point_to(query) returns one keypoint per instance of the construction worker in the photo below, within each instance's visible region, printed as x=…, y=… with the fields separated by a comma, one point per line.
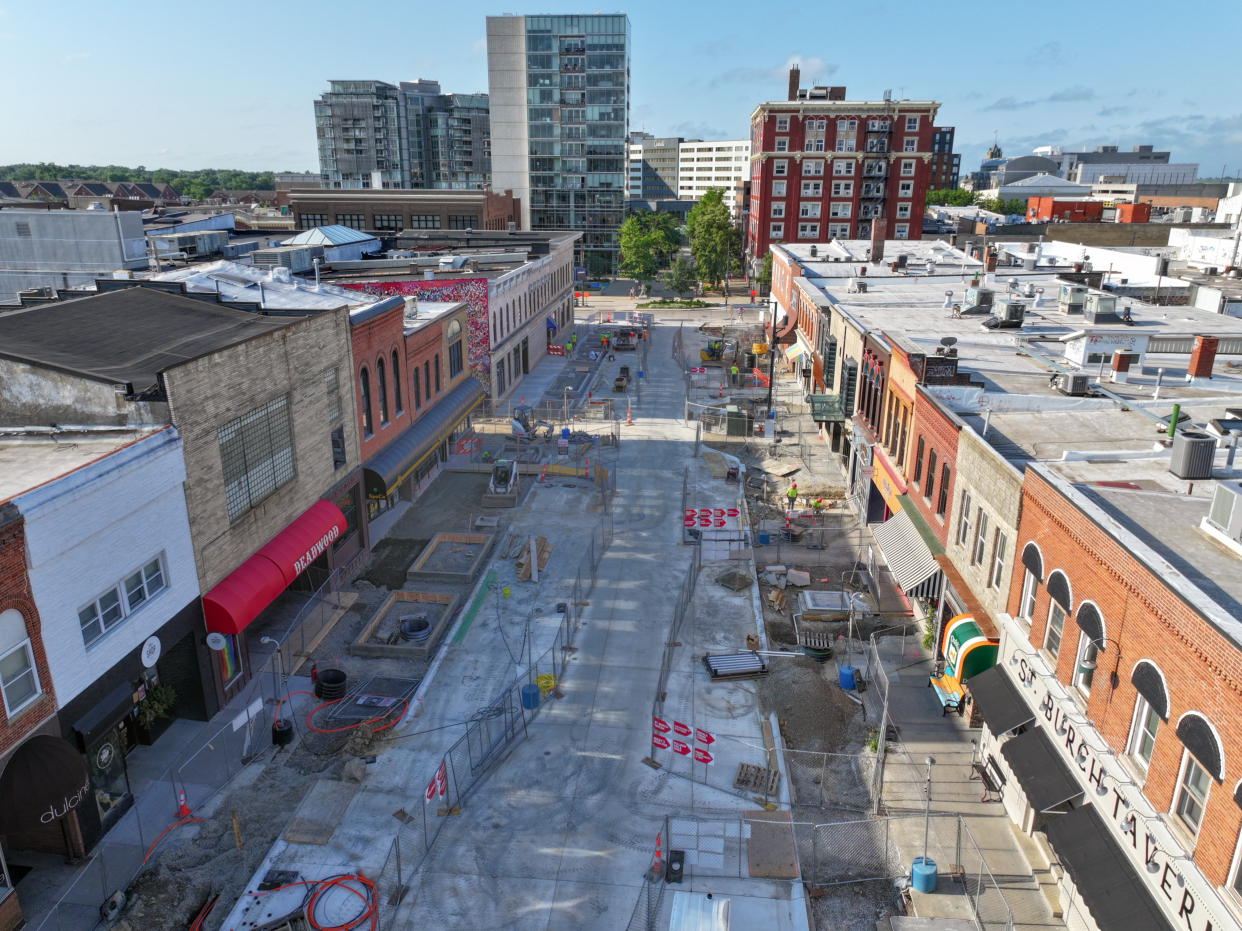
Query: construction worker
x=604, y=337
x=792, y=495
x=733, y=374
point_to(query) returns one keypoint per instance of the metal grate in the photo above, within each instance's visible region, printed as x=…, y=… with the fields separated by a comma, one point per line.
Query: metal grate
x=376, y=697
x=256, y=453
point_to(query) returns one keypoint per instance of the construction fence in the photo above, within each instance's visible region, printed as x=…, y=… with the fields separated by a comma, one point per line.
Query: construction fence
x=198, y=775
x=738, y=846
x=490, y=735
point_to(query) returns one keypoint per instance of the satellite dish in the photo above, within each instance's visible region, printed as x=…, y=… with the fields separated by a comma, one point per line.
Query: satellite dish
x=948, y=340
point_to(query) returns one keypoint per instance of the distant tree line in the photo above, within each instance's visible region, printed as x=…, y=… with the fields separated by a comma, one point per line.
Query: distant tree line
x=196, y=184
x=959, y=198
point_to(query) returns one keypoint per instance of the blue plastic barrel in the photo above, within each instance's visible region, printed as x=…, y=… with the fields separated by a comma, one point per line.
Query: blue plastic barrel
x=530, y=697
x=923, y=874
x=564, y=433
x=765, y=539
x=846, y=677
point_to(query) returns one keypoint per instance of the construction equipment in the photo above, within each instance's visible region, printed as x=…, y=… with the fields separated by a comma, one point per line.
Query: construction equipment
x=504, y=478
x=622, y=381
x=524, y=423
x=713, y=352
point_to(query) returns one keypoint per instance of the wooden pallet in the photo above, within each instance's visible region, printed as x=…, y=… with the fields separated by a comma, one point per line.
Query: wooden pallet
x=757, y=779
x=816, y=641
x=523, y=563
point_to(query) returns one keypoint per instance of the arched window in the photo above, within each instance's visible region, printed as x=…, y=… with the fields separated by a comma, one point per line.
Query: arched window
x=427, y=380
x=931, y=475
x=381, y=387
x=453, y=338
x=396, y=383
x=364, y=389
x=437, y=373
x=19, y=681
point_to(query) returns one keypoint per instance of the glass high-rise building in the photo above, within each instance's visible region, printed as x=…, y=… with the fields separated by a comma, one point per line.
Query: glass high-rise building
x=559, y=89
x=377, y=135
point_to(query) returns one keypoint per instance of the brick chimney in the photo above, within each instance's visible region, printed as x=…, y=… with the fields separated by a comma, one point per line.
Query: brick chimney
x=795, y=82
x=879, y=229
x=1203, y=356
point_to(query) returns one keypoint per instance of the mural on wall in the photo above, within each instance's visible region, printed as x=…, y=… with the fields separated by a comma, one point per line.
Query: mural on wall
x=471, y=290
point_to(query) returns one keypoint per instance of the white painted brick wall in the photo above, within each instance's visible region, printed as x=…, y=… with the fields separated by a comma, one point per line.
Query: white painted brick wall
x=90, y=529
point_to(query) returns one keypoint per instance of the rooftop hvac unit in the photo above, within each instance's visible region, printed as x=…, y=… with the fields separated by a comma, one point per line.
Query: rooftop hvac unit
x=1100, y=308
x=1072, y=383
x=980, y=297
x=1193, y=454
x=1072, y=294
x=1007, y=315
x=1226, y=512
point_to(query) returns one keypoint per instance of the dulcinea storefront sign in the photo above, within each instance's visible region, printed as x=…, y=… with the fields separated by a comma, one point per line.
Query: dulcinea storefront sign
x=317, y=549
x=1189, y=900
x=68, y=803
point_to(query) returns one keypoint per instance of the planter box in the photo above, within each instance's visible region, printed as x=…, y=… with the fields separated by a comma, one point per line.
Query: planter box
x=148, y=736
x=436, y=564
x=363, y=647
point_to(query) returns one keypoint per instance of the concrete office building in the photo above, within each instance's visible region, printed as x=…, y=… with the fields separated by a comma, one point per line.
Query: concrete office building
x=66, y=248
x=411, y=135
x=721, y=163
x=946, y=165
x=559, y=89
x=666, y=168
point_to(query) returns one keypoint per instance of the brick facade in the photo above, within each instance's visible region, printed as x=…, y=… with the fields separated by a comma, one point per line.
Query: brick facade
x=206, y=393
x=789, y=149
x=15, y=594
x=1202, y=669
x=938, y=431
x=995, y=487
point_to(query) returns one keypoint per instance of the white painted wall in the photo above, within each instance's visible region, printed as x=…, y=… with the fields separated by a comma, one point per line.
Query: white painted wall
x=506, y=87
x=1206, y=247
x=90, y=529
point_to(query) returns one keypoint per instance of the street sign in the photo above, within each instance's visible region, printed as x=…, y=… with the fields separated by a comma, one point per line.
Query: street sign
x=659, y=724
x=703, y=736
x=702, y=756
x=718, y=512
x=719, y=522
x=705, y=521
x=679, y=747
x=659, y=741
x=732, y=512
x=689, y=522
x=681, y=729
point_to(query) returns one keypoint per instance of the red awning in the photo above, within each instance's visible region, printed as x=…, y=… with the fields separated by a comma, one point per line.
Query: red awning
x=256, y=583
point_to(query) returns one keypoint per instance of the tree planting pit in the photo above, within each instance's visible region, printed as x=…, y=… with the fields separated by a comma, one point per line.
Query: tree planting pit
x=452, y=557
x=373, y=641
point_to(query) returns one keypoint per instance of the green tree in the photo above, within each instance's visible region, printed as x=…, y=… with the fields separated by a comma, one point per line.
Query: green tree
x=1006, y=207
x=648, y=241
x=713, y=238
x=680, y=277
x=954, y=197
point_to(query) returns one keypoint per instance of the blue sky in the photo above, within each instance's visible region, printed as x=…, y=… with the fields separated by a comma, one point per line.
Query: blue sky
x=231, y=85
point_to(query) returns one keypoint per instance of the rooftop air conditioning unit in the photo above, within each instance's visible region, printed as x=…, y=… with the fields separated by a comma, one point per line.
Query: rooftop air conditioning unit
x=1225, y=514
x=1193, y=454
x=1007, y=315
x=980, y=297
x=1072, y=383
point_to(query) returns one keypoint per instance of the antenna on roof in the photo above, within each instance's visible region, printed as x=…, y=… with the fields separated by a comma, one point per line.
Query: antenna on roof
x=948, y=340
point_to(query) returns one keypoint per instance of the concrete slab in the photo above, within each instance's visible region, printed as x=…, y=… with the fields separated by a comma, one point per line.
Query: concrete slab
x=320, y=812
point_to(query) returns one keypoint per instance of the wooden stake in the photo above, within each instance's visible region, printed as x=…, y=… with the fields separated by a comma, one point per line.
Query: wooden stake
x=236, y=831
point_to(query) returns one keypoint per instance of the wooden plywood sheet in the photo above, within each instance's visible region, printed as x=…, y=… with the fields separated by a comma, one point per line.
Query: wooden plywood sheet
x=715, y=463
x=320, y=812
x=770, y=845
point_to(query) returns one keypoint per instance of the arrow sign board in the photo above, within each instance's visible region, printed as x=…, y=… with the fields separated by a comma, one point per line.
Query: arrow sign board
x=659, y=724
x=689, y=522
x=732, y=512
x=703, y=736
x=702, y=756
x=659, y=741
x=679, y=747
x=691, y=512
x=720, y=522
x=718, y=512
x=705, y=512
x=679, y=728
x=705, y=521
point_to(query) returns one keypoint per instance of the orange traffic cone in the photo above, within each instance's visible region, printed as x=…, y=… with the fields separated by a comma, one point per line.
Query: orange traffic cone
x=629, y=421
x=542, y=474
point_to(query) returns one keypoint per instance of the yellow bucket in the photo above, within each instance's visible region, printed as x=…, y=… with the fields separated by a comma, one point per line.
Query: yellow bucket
x=759, y=348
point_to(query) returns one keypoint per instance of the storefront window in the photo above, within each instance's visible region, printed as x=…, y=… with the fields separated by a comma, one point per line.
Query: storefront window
x=1056, y=621
x=1143, y=743
x=1192, y=794
x=106, y=762
x=348, y=505
x=230, y=662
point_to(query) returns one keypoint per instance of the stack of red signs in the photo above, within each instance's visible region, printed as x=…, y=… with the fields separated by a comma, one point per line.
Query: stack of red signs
x=660, y=727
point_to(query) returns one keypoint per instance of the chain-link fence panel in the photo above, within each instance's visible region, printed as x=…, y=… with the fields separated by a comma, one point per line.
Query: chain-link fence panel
x=831, y=780
x=712, y=846
x=649, y=908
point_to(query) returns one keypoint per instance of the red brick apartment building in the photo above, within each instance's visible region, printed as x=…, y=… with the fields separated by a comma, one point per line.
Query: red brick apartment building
x=825, y=168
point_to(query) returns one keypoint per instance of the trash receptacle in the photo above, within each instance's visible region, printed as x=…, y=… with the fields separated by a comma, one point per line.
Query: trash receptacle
x=530, y=697
x=846, y=677
x=923, y=874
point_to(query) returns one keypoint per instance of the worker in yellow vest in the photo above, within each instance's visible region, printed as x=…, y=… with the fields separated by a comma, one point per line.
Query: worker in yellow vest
x=792, y=495
x=733, y=374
